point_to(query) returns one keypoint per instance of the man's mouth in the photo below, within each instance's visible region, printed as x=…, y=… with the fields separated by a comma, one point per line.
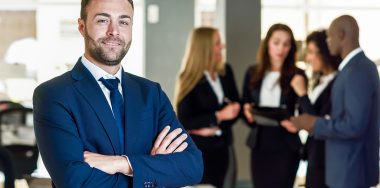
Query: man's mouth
x=112, y=43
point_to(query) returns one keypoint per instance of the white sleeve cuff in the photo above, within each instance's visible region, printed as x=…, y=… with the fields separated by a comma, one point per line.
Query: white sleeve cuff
x=129, y=163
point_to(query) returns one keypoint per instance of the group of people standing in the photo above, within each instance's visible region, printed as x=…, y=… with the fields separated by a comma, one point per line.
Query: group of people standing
x=207, y=104
x=99, y=126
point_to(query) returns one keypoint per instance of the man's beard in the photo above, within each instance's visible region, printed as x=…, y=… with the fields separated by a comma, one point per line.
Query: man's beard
x=111, y=57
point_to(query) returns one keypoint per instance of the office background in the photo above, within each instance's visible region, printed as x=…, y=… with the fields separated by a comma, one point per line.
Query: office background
x=39, y=39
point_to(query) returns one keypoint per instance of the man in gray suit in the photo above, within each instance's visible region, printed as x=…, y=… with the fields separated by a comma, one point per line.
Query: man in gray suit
x=352, y=131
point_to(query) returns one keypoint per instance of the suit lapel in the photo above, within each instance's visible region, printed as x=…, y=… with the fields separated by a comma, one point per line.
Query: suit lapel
x=89, y=88
x=208, y=89
x=132, y=106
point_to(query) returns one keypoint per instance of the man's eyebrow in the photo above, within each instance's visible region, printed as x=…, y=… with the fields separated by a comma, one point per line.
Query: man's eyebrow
x=102, y=14
x=108, y=15
x=125, y=16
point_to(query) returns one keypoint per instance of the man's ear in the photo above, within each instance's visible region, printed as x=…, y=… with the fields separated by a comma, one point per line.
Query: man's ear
x=341, y=34
x=81, y=26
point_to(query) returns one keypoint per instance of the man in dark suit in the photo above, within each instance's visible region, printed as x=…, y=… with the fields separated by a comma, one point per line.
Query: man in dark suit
x=94, y=132
x=351, y=133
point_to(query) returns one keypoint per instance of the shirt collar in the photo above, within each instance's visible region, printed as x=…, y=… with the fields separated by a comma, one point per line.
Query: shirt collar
x=328, y=78
x=97, y=72
x=349, y=57
x=207, y=74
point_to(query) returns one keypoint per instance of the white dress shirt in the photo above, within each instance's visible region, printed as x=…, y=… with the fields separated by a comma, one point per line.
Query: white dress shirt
x=323, y=83
x=349, y=57
x=216, y=86
x=100, y=73
x=270, y=93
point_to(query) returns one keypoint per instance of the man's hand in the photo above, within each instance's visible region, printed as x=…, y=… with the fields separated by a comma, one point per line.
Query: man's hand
x=205, y=132
x=304, y=121
x=108, y=163
x=168, y=143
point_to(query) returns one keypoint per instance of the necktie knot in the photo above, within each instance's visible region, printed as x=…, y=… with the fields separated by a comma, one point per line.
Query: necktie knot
x=110, y=84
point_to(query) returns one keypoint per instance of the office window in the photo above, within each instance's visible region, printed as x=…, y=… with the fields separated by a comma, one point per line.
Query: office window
x=305, y=16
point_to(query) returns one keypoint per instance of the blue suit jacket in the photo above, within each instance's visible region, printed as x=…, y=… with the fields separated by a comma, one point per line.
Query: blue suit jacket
x=72, y=115
x=352, y=134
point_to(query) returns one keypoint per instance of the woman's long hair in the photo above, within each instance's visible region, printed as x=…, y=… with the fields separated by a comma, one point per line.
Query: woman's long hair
x=288, y=68
x=329, y=62
x=198, y=58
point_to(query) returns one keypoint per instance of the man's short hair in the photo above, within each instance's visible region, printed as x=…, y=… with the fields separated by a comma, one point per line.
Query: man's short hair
x=84, y=4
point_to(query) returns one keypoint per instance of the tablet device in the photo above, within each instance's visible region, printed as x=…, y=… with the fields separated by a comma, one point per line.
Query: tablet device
x=269, y=116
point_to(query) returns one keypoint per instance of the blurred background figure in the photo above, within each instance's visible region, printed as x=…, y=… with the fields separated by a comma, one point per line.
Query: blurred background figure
x=274, y=151
x=207, y=104
x=351, y=133
x=317, y=101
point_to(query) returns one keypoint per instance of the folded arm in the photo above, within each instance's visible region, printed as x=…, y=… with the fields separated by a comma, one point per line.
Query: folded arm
x=173, y=170
x=62, y=150
x=166, y=143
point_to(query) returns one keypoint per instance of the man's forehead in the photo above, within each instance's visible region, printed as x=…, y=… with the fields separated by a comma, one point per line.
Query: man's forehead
x=112, y=7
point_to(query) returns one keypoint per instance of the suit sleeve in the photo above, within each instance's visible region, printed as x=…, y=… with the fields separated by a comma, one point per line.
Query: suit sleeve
x=246, y=90
x=60, y=144
x=247, y=97
x=305, y=105
x=232, y=94
x=354, y=121
x=192, y=119
x=172, y=170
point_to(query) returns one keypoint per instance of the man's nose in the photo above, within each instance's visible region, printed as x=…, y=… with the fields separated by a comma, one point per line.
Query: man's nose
x=113, y=29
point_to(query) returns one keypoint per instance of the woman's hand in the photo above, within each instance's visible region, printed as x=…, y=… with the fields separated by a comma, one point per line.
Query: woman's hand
x=247, y=108
x=298, y=84
x=229, y=112
x=205, y=132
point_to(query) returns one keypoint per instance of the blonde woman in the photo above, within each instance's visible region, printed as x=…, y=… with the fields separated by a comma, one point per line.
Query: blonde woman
x=206, y=99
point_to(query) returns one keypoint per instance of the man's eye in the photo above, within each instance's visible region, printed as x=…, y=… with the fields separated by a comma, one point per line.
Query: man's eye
x=101, y=21
x=124, y=22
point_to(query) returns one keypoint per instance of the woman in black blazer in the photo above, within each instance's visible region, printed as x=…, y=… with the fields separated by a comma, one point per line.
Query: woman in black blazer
x=207, y=104
x=317, y=102
x=274, y=150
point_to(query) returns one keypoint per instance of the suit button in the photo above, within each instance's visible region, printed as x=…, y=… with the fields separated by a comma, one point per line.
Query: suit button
x=148, y=184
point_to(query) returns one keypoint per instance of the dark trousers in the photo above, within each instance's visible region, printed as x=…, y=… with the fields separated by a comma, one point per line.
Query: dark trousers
x=274, y=169
x=315, y=178
x=215, y=163
x=7, y=168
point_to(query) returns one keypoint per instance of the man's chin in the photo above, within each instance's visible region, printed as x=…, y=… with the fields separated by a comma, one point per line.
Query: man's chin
x=110, y=62
x=113, y=56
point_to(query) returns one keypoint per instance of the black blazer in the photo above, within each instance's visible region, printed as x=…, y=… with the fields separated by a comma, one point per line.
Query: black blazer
x=315, y=149
x=197, y=110
x=270, y=139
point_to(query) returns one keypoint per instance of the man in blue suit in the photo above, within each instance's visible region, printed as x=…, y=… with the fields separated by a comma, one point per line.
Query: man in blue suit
x=93, y=131
x=352, y=131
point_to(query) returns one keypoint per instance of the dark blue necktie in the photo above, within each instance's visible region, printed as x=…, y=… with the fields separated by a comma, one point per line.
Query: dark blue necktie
x=117, y=106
